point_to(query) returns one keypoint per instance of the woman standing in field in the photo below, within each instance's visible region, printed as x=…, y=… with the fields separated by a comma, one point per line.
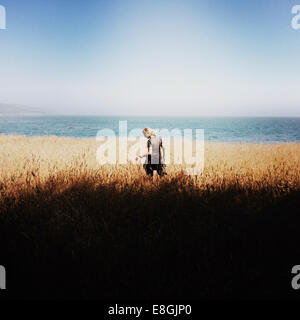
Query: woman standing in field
x=155, y=156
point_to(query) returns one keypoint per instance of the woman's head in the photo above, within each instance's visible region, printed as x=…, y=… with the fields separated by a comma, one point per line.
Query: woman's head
x=148, y=133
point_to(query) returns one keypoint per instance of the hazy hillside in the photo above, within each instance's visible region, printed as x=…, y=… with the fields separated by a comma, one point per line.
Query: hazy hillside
x=14, y=110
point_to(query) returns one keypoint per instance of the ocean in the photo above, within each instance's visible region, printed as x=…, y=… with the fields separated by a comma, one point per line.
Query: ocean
x=254, y=130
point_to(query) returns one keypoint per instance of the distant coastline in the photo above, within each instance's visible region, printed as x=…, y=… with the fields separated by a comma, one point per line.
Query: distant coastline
x=19, y=110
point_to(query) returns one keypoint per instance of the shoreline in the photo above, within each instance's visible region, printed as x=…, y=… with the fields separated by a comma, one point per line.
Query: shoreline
x=13, y=136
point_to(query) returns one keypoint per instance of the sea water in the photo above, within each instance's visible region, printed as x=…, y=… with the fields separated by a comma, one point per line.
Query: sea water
x=264, y=130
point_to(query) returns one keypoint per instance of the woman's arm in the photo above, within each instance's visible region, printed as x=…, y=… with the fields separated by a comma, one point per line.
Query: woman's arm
x=147, y=153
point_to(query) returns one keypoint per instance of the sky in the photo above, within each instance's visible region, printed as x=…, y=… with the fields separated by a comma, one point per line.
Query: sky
x=151, y=57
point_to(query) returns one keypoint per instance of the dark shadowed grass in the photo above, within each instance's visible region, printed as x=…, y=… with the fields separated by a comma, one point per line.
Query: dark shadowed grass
x=99, y=241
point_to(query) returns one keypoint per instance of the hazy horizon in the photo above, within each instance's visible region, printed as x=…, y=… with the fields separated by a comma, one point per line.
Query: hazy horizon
x=169, y=58
x=28, y=111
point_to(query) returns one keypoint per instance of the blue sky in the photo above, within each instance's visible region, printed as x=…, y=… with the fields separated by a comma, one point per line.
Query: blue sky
x=152, y=57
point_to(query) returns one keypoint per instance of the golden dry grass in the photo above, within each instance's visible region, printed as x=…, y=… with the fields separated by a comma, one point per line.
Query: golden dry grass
x=30, y=162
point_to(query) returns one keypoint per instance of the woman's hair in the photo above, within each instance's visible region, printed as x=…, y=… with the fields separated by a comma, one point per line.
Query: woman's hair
x=149, y=132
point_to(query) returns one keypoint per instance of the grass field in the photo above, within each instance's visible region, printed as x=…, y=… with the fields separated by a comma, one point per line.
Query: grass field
x=70, y=227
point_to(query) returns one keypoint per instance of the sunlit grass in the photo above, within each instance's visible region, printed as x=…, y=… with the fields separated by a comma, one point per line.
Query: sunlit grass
x=31, y=163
